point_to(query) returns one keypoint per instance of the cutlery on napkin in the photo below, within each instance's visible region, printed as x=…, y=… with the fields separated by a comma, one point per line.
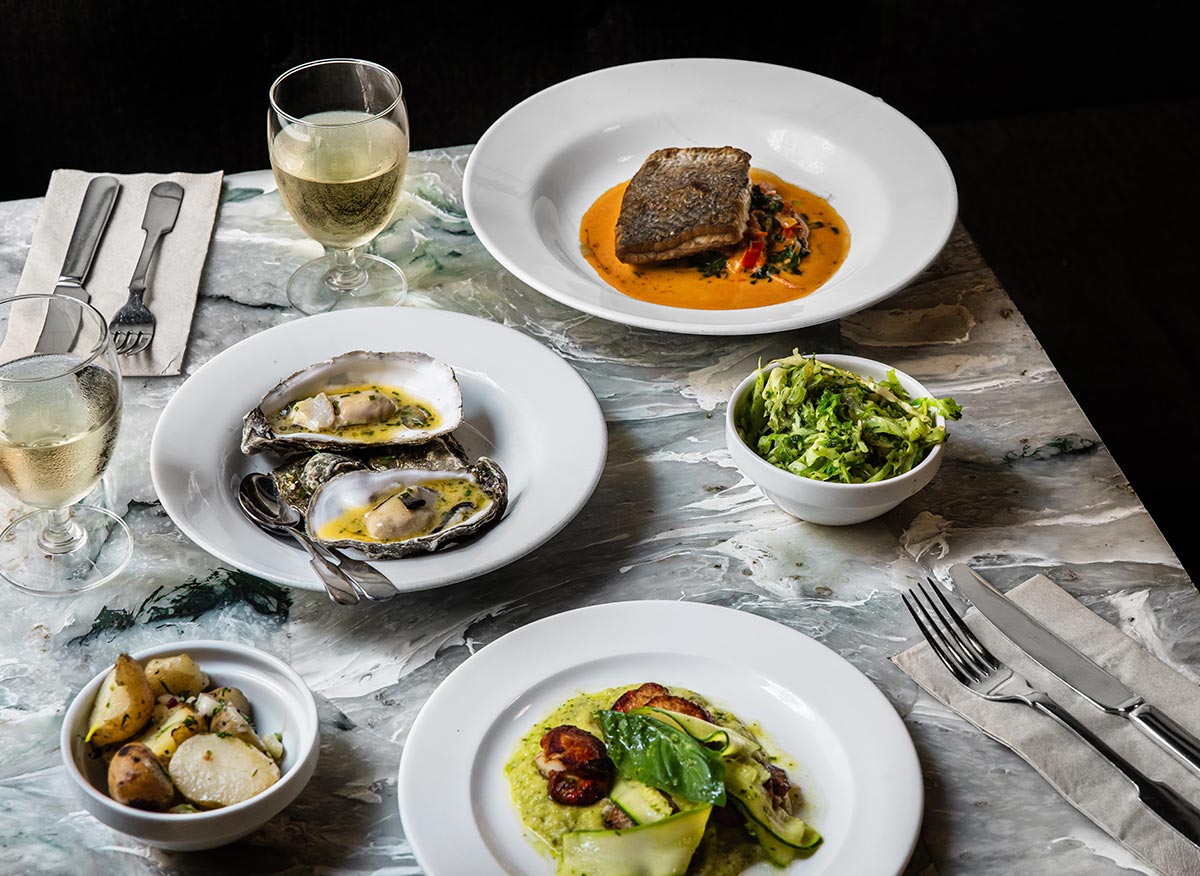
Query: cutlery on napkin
x=1085, y=778
x=176, y=269
x=1100, y=688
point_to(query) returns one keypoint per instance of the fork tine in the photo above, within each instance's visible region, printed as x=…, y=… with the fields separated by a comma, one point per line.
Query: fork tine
x=119, y=341
x=973, y=661
x=977, y=663
x=970, y=636
x=144, y=339
x=948, y=645
x=950, y=663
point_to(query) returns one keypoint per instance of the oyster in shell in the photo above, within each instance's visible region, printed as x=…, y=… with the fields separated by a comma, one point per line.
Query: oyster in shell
x=401, y=511
x=299, y=476
x=358, y=399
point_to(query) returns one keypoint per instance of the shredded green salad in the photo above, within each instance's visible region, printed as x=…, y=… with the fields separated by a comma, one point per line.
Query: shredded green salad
x=813, y=419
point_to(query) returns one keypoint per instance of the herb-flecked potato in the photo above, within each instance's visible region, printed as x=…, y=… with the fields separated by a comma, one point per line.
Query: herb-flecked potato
x=231, y=696
x=136, y=778
x=212, y=771
x=166, y=735
x=230, y=720
x=178, y=676
x=123, y=704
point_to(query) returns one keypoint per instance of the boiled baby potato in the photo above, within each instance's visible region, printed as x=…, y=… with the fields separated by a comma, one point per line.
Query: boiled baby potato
x=178, y=676
x=167, y=734
x=136, y=778
x=123, y=704
x=231, y=721
x=213, y=771
x=231, y=696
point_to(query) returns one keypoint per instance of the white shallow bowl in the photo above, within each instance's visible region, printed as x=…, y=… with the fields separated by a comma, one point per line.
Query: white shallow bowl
x=832, y=504
x=282, y=703
x=524, y=406
x=855, y=760
x=541, y=165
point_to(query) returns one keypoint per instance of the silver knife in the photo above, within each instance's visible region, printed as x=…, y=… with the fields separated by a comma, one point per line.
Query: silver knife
x=62, y=323
x=1083, y=676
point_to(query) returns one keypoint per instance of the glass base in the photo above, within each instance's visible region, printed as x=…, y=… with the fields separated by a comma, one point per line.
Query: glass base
x=28, y=566
x=386, y=286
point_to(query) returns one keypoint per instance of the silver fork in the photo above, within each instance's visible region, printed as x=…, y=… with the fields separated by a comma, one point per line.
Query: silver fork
x=133, y=326
x=974, y=666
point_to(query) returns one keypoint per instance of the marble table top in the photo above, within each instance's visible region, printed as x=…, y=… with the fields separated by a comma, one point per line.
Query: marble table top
x=1027, y=486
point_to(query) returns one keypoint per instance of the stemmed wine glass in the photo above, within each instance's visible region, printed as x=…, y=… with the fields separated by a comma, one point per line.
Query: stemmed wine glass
x=60, y=410
x=337, y=132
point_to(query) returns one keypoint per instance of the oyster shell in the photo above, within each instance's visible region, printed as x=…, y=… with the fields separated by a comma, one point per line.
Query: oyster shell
x=299, y=476
x=397, y=512
x=358, y=399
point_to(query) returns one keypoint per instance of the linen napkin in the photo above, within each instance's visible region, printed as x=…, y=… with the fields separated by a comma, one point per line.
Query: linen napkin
x=1076, y=771
x=174, y=277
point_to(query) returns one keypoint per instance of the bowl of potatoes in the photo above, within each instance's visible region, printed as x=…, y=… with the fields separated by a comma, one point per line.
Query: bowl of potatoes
x=191, y=745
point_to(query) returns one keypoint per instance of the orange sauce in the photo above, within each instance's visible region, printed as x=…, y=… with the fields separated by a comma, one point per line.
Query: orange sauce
x=680, y=284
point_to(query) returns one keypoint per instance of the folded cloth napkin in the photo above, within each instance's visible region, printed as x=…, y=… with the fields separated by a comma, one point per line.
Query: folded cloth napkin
x=1076, y=771
x=174, y=277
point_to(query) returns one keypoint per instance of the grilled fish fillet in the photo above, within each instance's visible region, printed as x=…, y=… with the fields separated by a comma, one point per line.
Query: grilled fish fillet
x=682, y=201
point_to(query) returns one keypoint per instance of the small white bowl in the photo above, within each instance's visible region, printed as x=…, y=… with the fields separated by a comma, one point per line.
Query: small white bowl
x=281, y=702
x=833, y=504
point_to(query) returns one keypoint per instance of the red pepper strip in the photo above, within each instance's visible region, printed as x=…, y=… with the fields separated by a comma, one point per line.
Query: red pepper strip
x=753, y=253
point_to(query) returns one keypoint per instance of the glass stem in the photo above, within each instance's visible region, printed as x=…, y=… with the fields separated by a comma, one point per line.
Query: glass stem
x=60, y=533
x=346, y=275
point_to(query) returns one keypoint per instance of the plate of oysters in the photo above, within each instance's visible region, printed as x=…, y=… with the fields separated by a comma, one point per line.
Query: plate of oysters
x=435, y=445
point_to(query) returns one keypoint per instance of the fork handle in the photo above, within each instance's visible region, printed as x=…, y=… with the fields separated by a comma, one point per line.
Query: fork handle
x=162, y=209
x=1160, y=798
x=337, y=585
x=368, y=580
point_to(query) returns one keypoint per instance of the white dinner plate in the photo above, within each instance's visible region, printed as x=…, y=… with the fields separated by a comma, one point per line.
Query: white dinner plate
x=539, y=167
x=523, y=406
x=856, y=761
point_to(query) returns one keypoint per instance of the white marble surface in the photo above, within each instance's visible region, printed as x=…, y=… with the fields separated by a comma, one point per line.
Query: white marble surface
x=1027, y=487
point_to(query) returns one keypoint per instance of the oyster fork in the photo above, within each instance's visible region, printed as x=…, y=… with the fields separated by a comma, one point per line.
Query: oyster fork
x=975, y=667
x=133, y=326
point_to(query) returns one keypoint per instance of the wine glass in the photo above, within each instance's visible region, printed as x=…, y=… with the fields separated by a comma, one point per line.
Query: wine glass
x=337, y=132
x=60, y=410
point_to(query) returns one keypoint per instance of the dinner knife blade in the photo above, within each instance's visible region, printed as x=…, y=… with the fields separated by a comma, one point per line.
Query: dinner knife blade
x=62, y=324
x=1079, y=672
x=1049, y=650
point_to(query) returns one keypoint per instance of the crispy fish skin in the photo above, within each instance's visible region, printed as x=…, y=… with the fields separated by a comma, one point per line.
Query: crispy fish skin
x=682, y=201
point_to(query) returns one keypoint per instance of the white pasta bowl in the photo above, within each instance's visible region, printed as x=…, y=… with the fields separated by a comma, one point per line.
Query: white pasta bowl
x=833, y=504
x=281, y=702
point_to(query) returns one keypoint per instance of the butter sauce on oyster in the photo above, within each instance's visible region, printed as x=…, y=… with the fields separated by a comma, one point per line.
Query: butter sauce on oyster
x=401, y=511
x=357, y=399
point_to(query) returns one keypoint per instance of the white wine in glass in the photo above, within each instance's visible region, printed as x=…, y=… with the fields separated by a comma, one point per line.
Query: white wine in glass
x=60, y=413
x=338, y=138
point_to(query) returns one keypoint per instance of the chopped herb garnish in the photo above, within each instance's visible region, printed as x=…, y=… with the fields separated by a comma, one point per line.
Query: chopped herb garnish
x=714, y=267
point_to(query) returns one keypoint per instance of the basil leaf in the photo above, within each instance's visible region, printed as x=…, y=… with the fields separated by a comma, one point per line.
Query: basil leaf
x=663, y=757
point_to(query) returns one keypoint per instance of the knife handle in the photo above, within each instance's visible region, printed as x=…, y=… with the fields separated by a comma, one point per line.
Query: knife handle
x=1169, y=735
x=1164, y=801
x=97, y=204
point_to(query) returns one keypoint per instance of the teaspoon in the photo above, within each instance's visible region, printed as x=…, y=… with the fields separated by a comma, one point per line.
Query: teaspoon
x=344, y=578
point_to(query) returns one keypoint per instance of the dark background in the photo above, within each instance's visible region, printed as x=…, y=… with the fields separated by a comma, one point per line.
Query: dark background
x=1072, y=129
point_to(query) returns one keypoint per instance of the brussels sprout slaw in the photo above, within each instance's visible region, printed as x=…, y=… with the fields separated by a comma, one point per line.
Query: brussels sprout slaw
x=822, y=422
